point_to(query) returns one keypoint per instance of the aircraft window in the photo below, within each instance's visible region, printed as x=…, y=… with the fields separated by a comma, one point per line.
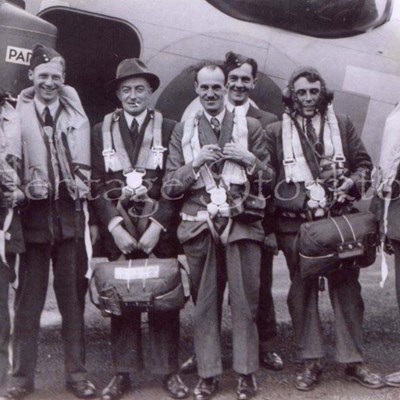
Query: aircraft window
x=320, y=18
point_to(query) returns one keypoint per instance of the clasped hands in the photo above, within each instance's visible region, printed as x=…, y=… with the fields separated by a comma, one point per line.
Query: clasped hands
x=127, y=243
x=232, y=151
x=342, y=192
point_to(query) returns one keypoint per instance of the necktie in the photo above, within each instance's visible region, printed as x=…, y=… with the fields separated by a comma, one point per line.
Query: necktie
x=48, y=119
x=310, y=132
x=53, y=167
x=134, y=128
x=216, y=126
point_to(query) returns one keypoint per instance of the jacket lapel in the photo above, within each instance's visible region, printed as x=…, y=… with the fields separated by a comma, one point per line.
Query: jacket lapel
x=254, y=112
x=132, y=147
x=226, y=130
x=308, y=152
x=126, y=138
x=206, y=133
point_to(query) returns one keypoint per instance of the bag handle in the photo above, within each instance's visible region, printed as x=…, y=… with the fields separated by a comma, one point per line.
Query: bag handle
x=90, y=290
x=338, y=229
x=351, y=228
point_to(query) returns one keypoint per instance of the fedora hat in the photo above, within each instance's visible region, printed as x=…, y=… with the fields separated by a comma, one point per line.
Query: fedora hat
x=131, y=67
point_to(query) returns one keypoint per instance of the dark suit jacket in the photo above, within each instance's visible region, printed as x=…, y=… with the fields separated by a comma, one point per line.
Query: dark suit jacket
x=180, y=180
x=107, y=186
x=358, y=163
x=264, y=117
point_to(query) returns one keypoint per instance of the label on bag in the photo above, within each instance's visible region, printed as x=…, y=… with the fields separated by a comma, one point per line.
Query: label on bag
x=137, y=273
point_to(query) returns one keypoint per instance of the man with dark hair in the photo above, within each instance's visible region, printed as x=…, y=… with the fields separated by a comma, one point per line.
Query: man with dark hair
x=128, y=156
x=216, y=161
x=317, y=141
x=241, y=75
x=56, y=139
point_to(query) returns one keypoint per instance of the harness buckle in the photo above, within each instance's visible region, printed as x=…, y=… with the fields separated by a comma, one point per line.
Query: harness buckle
x=289, y=161
x=108, y=152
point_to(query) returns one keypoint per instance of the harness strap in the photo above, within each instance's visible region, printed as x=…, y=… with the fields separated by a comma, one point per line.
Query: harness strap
x=4, y=233
x=288, y=157
x=150, y=157
x=204, y=216
x=87, y=240
x=338, y=156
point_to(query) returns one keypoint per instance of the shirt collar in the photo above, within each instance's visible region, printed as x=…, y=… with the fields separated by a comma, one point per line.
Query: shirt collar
x=139, y=118
x=316, y=120
x=40, y=106
x=220, y=116
x=239, y=110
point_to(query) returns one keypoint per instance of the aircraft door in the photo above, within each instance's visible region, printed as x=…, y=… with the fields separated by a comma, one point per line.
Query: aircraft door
x=93, y=46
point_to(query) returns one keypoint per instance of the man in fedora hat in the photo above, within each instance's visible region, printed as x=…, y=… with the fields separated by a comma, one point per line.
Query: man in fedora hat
x=56, y=174
x=118, y=145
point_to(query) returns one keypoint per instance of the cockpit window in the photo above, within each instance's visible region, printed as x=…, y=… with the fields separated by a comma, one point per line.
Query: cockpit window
x=320, y=18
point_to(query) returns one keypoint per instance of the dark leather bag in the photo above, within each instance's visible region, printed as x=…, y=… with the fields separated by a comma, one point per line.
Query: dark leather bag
x=346, y=241
x=143, y=284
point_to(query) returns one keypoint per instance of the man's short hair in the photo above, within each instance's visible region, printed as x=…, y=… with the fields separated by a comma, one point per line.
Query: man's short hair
x=235, y=60
x=211, y=65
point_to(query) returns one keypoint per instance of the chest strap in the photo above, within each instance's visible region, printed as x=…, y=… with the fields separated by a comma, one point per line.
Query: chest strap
x=115, y=155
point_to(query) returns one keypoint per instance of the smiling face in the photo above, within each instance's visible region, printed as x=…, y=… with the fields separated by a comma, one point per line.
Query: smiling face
x=210, y=87
x=240, y=83
x=308, y=95
x=134, y=94
x=47, y=80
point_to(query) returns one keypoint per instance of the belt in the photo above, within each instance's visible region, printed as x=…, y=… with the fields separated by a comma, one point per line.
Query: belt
x=204, y=216
x=201, y=216
x=290, y=214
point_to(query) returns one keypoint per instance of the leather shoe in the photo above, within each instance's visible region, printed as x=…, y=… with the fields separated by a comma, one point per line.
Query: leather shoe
x=271, y=360
x=82, y=389
x=205, y=388
x=189, y=366
x=246, y=387
x=116, y=388
x=175, y=387
x=18, y=392
x=393, y=379
x=358, y=372
x=309, y=378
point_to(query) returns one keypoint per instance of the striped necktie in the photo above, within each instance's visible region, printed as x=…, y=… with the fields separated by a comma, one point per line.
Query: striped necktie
x=310, y=132
x=216, y=126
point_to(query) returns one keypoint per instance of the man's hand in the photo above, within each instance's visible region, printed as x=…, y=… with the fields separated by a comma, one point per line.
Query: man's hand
x=124, y=241
x=209, y=152
x=343, y=190
x=388, y=246
x=94, y=234
x=11, y=199
x=150, y=238
x=271, y=244
x=240, y=154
